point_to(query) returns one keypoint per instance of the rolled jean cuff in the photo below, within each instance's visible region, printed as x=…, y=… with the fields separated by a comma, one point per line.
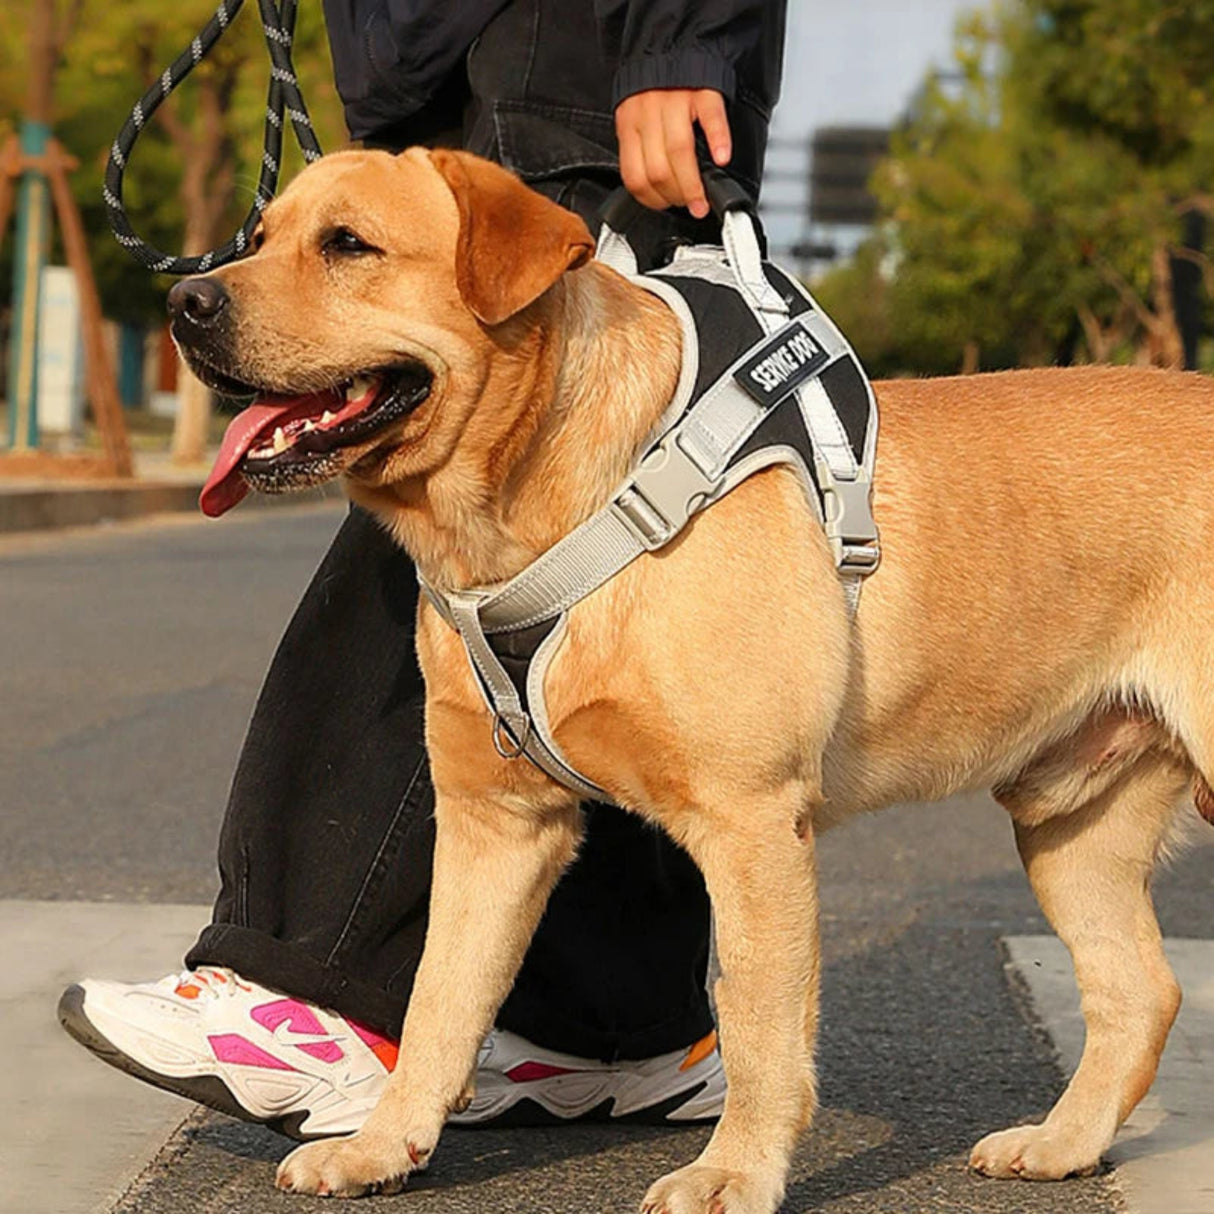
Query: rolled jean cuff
x=538, y=1025
x=292, y=971
x=281, y=967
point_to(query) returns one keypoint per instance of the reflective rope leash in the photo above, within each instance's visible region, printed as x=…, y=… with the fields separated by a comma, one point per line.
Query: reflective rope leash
x=284, y=99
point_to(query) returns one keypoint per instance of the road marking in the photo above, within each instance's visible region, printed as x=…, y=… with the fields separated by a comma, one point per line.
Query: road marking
x=1164, y=1154
x=74, y=1132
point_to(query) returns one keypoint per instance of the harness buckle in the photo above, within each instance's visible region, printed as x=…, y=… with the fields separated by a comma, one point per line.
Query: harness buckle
x=664, y=491
x=849, y=524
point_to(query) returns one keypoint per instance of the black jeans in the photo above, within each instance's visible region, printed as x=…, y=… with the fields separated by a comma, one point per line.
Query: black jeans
x=325, y=853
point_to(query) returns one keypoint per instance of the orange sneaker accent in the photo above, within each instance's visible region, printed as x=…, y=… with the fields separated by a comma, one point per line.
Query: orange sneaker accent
x=387, y=1052
x=699, y=1051
x=187, y=990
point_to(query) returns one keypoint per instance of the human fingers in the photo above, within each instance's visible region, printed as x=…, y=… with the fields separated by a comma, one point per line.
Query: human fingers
x=709, y=108
x=659, y=172
x=629, y=116
x=678, y=132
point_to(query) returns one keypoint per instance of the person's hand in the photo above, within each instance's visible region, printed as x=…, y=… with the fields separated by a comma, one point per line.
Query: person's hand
x=656, y=130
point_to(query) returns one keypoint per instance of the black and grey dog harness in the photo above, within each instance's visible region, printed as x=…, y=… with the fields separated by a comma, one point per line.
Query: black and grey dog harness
x=766, y=379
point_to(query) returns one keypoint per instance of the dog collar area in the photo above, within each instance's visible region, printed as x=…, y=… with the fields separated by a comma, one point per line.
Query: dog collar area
x=766, y=379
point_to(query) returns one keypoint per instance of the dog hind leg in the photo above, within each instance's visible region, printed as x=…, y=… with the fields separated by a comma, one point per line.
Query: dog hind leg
x=1091, y=870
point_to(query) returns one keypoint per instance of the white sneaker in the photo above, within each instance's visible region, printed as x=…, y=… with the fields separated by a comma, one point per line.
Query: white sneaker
x=518, y=1083
x=211, y=1036
x=214, y=1037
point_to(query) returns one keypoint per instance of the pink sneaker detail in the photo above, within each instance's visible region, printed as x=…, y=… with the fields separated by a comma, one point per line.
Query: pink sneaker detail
x=528, y=1072
x=231, y=1047
x=298, y=1016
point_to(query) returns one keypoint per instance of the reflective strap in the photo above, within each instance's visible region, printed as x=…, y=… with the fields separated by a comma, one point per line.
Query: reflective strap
x=746, y=260
x=845, y=484
x=587, y=557
x=496, y=685
x=546, y=753
x=614, y=250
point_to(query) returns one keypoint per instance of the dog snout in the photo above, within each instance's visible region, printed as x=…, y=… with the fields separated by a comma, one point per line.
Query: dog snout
x=200, y=300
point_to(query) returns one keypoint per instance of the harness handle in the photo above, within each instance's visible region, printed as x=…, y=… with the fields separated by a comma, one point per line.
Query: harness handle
x=725, y=194
x=732, y=205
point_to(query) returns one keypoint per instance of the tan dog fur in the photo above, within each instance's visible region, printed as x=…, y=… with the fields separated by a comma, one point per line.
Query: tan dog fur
x=1042, y=622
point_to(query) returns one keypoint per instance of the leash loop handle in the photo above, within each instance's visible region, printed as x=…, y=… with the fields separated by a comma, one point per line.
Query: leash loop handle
x=283, y=102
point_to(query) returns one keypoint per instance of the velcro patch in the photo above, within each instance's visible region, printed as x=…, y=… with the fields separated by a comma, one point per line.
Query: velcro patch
x=782, y=363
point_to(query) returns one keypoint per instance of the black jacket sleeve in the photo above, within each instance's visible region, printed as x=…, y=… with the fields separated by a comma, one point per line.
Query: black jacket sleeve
x=733, y=46
x=391, y=56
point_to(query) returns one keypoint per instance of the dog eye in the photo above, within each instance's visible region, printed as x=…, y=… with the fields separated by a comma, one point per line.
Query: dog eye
x=344, y=242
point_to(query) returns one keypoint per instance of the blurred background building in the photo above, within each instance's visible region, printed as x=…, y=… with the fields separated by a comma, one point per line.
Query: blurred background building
x=851, y=73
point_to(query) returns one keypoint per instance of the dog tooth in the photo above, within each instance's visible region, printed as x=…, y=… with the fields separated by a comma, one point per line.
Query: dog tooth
x=280, y=441
x=309, y=424
x=326, y=417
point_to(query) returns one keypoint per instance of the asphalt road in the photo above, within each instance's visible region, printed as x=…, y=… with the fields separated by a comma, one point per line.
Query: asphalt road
x=129, y=660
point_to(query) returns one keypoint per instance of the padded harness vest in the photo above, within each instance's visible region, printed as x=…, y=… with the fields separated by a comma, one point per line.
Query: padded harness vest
x=766, y=379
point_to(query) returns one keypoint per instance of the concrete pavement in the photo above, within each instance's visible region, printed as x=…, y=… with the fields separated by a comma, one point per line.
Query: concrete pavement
x=73, y=1137
x=129, y=659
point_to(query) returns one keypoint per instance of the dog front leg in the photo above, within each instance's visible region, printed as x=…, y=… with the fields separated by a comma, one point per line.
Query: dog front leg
x=494, y=867
x=761, y=879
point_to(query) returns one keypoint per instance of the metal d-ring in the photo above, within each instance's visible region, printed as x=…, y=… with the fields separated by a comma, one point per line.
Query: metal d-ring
x=500, y=727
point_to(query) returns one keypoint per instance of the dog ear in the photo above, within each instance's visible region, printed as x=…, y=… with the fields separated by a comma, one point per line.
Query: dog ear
x=513, y=243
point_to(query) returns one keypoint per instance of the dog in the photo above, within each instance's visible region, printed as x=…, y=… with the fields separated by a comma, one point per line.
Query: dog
x=435, y=333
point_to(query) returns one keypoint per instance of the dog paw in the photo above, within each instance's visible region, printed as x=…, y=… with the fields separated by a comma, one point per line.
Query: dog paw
x=700, y=1189
x=348, y=1167
x=1033, y=1152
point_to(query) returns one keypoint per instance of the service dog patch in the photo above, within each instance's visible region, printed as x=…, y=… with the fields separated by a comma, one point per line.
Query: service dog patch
x=781, y=364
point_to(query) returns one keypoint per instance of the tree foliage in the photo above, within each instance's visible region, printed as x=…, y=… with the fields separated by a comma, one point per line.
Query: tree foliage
x=1034, y=202
x=109, y=54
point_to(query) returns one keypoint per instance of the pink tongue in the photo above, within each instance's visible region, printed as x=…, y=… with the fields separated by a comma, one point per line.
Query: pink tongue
x=225, y=486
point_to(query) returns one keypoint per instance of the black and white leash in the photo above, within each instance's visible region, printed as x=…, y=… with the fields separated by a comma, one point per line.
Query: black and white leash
x=283, y=102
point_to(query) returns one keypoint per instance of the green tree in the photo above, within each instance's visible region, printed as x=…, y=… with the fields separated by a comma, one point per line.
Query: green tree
x=1040, y=196
x=195, y=168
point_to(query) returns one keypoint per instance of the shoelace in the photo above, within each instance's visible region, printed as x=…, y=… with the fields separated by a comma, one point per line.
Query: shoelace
x=215, y=981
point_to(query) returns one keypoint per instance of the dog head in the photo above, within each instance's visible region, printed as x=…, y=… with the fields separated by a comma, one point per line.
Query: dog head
x=365, y=321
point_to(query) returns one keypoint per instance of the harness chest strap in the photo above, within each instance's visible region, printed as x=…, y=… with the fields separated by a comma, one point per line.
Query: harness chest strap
x=693, y=464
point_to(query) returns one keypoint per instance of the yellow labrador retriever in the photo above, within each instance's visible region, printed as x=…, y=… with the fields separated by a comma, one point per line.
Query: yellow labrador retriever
x=1043, y=624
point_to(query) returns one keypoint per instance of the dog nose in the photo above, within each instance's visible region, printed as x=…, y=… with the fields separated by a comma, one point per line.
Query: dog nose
x=198, y=299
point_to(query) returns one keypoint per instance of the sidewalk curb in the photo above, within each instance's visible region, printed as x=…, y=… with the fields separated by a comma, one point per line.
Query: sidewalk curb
x=44, y=509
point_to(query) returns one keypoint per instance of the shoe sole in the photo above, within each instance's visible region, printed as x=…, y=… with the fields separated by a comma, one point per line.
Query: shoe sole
x=528, y=1112
x=209, y=1090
